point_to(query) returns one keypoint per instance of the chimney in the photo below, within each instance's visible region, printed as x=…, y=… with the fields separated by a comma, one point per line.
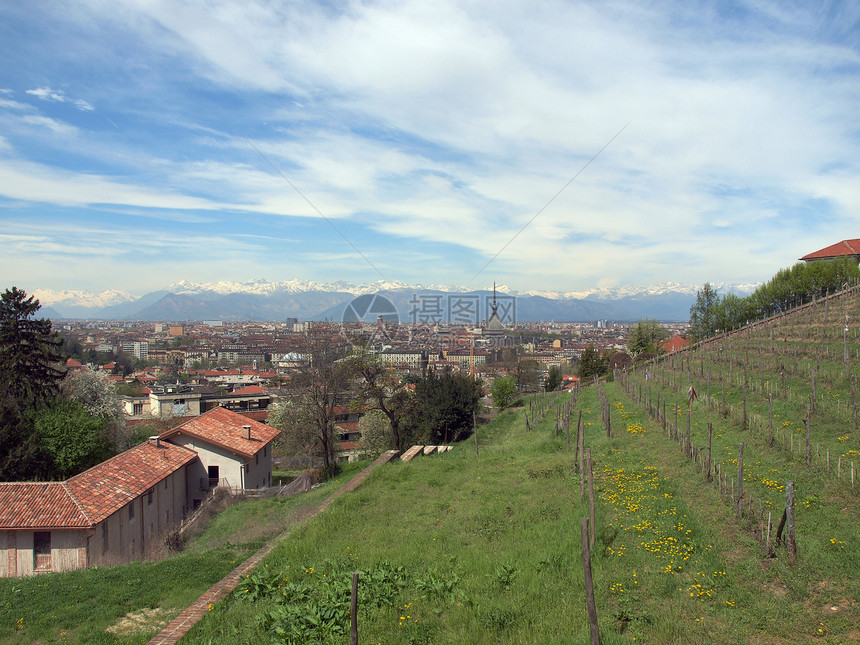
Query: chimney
x=154, y=440
x=248, y=430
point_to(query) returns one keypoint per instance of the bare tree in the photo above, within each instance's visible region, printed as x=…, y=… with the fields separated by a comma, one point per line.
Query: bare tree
x=383, y=389
x=320, y=386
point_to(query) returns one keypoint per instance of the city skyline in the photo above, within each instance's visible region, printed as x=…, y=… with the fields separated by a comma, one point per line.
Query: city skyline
x=551, y=146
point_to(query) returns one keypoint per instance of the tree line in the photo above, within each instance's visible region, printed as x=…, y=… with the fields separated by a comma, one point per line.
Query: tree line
x=712, y=314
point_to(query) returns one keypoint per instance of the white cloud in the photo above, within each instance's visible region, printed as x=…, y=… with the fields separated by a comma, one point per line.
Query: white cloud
x=451, y=124
x=58, y=96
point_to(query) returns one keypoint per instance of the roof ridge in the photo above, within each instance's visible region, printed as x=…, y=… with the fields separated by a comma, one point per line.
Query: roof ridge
x=77, y=502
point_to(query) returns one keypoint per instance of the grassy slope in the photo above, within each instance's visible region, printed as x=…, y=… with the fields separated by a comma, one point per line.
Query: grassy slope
x=455, y=548
x=498, y=537
x=77, y=607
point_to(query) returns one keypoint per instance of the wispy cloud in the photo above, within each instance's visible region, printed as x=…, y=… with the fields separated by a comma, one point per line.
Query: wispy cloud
x=440, y=129
x=58, y=96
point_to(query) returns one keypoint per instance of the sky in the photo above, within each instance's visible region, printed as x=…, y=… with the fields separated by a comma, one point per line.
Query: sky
x=555, y=145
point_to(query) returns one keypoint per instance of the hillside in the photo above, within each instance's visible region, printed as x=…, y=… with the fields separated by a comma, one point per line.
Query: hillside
x=486, y=549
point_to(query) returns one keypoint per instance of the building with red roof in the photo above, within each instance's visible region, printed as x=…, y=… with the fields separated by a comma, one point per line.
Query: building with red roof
x=117, y=510
x=674, y=344
x=845, y=248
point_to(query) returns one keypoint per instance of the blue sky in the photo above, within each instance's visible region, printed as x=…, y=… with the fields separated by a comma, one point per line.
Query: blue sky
x=139, y=141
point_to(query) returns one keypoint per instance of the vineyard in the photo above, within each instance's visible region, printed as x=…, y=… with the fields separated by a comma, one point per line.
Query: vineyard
x=721, y=507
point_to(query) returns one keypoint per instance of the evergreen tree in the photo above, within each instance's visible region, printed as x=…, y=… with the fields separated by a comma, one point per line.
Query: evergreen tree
x=553, y=380
x=29, y=358
x=29, y=378
x=591, y=363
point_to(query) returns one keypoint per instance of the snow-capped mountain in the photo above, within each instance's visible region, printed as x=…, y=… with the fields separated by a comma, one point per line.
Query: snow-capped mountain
x=78, y=300
x=264, y=287
x=665, y=288
x=68, y=297
x=310, y=300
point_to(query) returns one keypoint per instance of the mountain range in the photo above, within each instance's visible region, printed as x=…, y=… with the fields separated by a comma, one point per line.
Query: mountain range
x=306, y=300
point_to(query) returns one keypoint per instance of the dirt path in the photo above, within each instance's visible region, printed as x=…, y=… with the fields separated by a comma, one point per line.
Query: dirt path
x=179, y=626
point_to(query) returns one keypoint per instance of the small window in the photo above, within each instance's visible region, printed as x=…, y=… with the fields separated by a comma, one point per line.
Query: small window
x=149, y=497
x=265, y=450
x=42, y=550
x=131, y=510
x=257, y=458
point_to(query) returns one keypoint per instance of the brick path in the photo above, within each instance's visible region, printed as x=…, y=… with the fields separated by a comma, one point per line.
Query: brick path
x=179, y=626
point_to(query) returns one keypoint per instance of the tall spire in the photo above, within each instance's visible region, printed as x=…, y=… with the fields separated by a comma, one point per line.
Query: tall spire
x=494, y=297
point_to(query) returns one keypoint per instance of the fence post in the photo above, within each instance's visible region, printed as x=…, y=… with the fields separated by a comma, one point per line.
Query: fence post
x=589, y=583
x=590, y=496
x=353, y=611
x=789, y=516
x=710, y=433
x=740, y=479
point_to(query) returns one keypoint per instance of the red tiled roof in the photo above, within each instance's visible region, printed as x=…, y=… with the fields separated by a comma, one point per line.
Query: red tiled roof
x=104, y=489
x=223, y=427
x=71, y=362
x=28, y=505
x=673, y=344
x=845, y=247
x=250, y=389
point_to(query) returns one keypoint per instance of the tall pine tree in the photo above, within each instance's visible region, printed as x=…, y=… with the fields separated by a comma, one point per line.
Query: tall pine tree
x=29, y=377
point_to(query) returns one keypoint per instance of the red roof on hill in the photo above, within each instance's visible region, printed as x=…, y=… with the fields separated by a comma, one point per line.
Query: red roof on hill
x=673, y=344
x=104, y=489
x=29, y=505
x=222, y=427
x=845, y=247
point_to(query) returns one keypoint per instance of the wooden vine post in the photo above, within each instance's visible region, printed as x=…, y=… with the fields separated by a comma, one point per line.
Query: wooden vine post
x=710, y=433
x=353, y=611
x=770, y=417
x=581, y=458
x=739, y=498
x=593, y=627
x=590, y=496
x=789, y=518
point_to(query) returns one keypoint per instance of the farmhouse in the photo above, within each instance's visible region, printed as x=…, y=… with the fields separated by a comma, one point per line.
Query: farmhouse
x=845, y=248
x=115, y=511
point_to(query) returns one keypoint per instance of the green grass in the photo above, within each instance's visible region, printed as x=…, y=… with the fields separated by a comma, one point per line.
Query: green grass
x=78, y=606
x=487, y=550
x=455, y=548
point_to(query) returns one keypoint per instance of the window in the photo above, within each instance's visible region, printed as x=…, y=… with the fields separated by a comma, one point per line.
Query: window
x=257, y=459
x=149, y=497
x=138, y=409
x=265, y=450
x=42, y=550
x=131, y=510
